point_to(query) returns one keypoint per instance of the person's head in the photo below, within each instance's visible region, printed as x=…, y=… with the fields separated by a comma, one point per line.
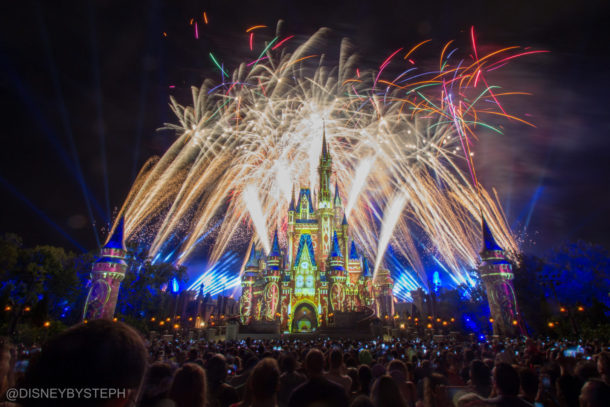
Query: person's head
x=216, y=369
x=480, y=374
x=336, y=359
x=603, y=363
x=189, y=386
x=288, y=363
x=193, y=354
x=365, y=357
x=362, y=401
x=506, y=379
x=98, y=354
x=385, y=393
x=352, y=372
x=365, y=376
x=586, y=370
x=157, y=382
x=264, y=380
x=595, y=393
x=529, y=382
x=314, y=363
x=398, y=366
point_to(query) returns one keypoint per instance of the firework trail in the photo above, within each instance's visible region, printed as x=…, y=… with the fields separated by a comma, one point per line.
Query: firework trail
x=246, y=143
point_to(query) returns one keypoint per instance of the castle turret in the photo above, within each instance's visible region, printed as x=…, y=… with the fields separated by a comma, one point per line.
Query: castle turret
x=106, y=276
x=497, y=275
x=325, y=210
x=290, y=229
x=384, y=298
x=248, y=279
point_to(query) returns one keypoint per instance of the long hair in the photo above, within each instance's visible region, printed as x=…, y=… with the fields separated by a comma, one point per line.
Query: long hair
x=386, y=393
x=189, y=386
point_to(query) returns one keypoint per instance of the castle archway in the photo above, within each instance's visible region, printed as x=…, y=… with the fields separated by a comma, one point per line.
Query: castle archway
x=304, y=319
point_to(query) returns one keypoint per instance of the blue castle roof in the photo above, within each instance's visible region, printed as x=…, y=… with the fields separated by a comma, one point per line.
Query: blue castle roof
x=275, y=247
x=305, y=243
x=115, y=241
x=366, y=270
x=307, y=193
x=336, y=251
x=353, y=253
x=489, y=243
x=253, y=260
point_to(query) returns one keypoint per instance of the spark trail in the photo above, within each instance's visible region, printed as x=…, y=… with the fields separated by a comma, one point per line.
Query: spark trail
x=245, y=143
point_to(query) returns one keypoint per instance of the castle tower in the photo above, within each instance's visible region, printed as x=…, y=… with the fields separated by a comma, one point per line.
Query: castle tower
x=325, y=207
x=384, y=298
x=338, y=206
x=106, y=276
x=497, y=275
x=337, y=277
x=290, y=229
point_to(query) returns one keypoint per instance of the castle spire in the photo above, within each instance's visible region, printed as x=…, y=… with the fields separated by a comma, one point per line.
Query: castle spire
x=344, y=220
x=292, y=205
x=324, y=146
x=336, y=252
x=337, y=200
x=275, y=248
x=115, y=241
x=489, y=243
x=353, y=253
x=253, y=260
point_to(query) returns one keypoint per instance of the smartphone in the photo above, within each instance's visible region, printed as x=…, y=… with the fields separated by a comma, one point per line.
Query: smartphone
x=229, y=372
x=546, y=382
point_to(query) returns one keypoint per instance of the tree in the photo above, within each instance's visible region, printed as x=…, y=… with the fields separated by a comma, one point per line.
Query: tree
x=144, y=291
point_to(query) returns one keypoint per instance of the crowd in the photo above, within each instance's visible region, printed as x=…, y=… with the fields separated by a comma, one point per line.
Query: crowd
x=158, y=372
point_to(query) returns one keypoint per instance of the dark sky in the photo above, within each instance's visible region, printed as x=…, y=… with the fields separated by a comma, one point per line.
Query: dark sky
x=85, y=85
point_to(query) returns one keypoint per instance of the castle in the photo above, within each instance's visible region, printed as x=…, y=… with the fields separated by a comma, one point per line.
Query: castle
x=319, y=273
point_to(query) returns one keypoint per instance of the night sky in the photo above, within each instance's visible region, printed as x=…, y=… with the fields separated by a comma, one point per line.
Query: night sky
x=85, y=86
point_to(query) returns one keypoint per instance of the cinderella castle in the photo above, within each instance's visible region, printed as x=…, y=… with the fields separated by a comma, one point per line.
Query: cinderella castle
x=319, y=273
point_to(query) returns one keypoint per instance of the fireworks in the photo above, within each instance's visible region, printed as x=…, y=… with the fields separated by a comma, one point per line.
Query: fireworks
x=401, y=142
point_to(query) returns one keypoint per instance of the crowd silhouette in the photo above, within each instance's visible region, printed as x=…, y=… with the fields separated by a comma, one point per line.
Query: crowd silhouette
x=299, y=372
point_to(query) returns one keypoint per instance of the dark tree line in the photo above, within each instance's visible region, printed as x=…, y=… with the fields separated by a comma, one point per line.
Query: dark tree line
x=47, y=284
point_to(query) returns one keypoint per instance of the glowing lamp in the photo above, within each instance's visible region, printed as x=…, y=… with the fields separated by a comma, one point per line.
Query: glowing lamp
x=27, y=309
x=551, y=325
x=581, y=308
x=515, y=322
x=190, y=318
x=562, y=309
x=438, y=320
x=114, y=319
x=152, y=319
x=402, y=326
x=46, y=324
x=429, y=326
x=168, y=319
x=491, y=320
x=161, y=323
x=8, y=308
x=176, y=326
x=452, y=319
x=444, y=323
